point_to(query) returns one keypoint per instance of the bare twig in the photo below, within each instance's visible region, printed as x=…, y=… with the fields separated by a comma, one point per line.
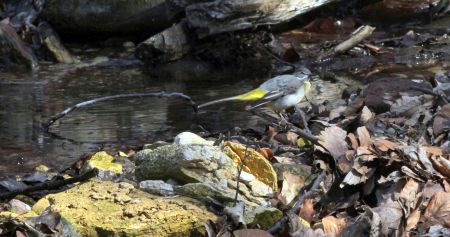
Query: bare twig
x=50, y=185
x=274, y=121
x=354, y=39
x=301, y=198
x=240, y=168
x=92, y=101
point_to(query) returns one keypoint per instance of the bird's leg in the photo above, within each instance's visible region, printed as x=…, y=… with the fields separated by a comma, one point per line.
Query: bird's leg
x=283, y=121
x=303, y=117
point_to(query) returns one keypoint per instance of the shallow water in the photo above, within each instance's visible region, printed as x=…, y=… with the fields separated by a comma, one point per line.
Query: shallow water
x=29, y=99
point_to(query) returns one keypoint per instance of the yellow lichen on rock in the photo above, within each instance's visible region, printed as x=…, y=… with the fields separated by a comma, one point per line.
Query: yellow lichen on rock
x=103, y=208
x=254, y=163
x=103, y=161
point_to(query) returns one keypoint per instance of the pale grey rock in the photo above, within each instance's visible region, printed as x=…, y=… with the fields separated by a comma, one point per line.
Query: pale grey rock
x=157, y=187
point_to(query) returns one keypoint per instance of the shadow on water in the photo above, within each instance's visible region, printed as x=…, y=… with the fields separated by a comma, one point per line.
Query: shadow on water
x=27, y=100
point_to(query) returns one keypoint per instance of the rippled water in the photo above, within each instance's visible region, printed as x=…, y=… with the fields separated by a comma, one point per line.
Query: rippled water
x=29, y=99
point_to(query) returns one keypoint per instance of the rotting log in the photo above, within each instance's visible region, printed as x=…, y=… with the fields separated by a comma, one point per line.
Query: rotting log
x=213, y=17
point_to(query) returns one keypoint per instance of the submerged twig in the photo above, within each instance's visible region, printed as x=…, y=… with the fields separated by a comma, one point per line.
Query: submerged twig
x=50, y=185
x=100, y=99
x=277, y=226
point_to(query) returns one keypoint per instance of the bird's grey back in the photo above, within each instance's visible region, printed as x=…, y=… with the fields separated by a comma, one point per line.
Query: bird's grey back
x=285, y=83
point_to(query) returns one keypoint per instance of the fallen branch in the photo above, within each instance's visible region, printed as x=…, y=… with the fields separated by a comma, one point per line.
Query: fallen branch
x=92, y=101
x=49, y=185
x=277, y=226
x=354, y=39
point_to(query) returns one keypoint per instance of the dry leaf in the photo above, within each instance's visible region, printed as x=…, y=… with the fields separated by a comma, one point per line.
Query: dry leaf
x=266, y=152
x=409, y=194
x=441, y=164
x=438, y=210
x=411, y=222
x=353, y=140
x=333, y=139
x=337, y=112
x=254, y=163
x=441, y=121
x=307, y=211
x=364, y=137
x=385, y=145
x=434, y=150
x=251, y=233
x=284, y=160
x=333, y=225
x=291, y=186
x=366, y=115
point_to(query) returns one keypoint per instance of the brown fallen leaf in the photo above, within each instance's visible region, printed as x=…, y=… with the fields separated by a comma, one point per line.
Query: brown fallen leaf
x=333, y=139
x=385, y=145
x=409, y=194
x=251, y=233
x=364, y=137
x=441, y=121
x=429, y=190
x=333, y=225
x=411, y=222
x=441, y=164
x=266, y=152
x=433, y=150
x=337, y=112
x=291, y=187
x=438, y=210
x=307, y=211
x=254, y=163
x=353, y=140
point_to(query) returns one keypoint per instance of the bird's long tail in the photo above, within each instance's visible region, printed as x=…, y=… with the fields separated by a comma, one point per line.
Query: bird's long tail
x=255, y=94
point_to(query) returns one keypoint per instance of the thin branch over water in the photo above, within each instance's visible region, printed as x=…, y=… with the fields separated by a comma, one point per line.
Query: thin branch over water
x=119, y=96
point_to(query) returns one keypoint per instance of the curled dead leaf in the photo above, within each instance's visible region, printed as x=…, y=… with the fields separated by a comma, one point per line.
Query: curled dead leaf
x=438, y=210
x=307, y=211
x=364, y=136
x=254, y=163
x=333, y=225
x=266, y=152
x=385, y=145
x=442, y=165
x=333, y=139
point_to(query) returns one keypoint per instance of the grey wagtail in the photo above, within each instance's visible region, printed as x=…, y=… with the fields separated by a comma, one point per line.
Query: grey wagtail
x=279, y=93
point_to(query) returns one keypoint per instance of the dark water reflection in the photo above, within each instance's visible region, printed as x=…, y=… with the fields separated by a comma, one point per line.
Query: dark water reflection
x=27, y=100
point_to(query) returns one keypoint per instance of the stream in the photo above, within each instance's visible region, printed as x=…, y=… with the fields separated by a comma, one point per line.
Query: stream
x=29, y=99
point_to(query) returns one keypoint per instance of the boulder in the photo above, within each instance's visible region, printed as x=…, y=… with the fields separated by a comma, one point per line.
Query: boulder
x=103, y=208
